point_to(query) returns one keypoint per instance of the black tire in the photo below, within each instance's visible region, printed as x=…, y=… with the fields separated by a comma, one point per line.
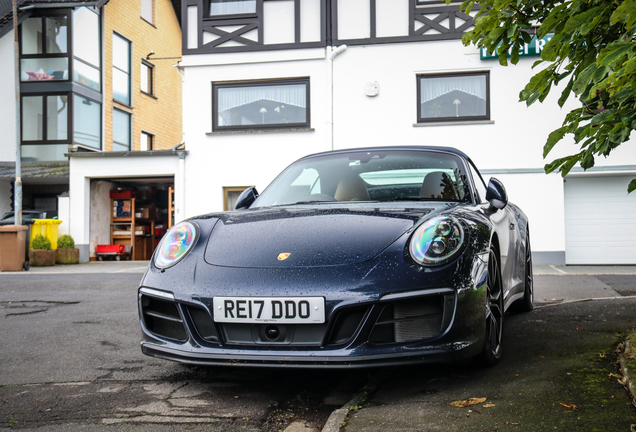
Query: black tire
x=26, y=266
x=527, y=304
x=493, y=333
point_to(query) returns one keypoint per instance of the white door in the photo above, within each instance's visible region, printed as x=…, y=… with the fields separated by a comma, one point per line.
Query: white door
x=600, y=220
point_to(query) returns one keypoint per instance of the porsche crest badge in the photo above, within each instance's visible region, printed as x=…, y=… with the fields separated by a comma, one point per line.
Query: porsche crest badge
x=283, y=256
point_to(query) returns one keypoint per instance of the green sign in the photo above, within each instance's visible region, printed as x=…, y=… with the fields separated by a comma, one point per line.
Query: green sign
x=532, y=49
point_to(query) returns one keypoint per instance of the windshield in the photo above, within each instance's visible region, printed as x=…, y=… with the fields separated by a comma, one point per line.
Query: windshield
x=387, y=175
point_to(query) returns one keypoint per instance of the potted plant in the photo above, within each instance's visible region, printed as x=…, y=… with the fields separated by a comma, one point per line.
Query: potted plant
x=41, y=254
x=66, y=252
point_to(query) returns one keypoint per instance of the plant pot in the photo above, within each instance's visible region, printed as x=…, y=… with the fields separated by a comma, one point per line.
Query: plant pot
x=41, y=258
x=67, y=256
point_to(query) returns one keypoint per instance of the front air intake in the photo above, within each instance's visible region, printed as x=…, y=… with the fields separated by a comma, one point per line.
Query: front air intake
x=409, y=320
x=162, y=318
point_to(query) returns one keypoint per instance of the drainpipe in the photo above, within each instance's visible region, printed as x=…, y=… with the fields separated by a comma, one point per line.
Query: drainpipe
x=17, y=189
x=332, y=53
x=179, y=187
x=179, y=211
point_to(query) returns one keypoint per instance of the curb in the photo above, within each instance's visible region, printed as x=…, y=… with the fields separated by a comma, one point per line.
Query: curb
x=337, y=419
x=627, y=360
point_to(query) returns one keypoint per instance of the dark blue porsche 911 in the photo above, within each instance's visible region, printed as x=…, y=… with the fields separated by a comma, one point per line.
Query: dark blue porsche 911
x=361, y=257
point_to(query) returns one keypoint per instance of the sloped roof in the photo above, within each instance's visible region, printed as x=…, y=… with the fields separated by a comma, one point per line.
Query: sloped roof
x=34, y=170
x=6, y=9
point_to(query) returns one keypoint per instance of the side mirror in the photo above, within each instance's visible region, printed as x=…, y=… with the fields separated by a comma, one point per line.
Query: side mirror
x=246, y=198
x=496, y=194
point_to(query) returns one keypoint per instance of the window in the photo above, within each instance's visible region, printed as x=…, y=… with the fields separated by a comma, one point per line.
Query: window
x=44, y=42
x=147, y=77
x=121, y=70
x=147, y=10
x=121, y=130
x=453, y=97
x=87, y=122
x=147, y=141
x=86, y=48
x=231, y=7
x=261, y=105
x=45, y=118
x=230, y=196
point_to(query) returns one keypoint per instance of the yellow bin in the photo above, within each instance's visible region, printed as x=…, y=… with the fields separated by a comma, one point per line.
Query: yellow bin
x=48, y=228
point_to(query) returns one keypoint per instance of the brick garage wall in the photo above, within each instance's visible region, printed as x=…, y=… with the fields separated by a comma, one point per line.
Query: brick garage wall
x=161, y=114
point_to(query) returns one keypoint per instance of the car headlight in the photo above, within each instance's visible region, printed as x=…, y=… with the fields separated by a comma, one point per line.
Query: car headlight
x=176, y=244
x=436, y=241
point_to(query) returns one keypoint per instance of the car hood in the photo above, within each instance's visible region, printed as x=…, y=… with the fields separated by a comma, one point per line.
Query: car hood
x=309, y=237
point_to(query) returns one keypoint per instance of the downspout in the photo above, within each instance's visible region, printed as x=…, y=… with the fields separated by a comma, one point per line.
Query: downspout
x=332, y=53
x=180, y=190
x=17, y=188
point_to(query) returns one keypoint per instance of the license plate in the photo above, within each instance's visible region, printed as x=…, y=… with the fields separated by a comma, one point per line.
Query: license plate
x=287, y=310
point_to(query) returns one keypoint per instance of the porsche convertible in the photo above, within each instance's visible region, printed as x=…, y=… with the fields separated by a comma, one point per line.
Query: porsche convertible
x=363, y=257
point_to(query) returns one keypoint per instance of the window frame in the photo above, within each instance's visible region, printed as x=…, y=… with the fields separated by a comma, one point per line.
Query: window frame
x=151, y=139
x=141, y=14
x=259, y=83
x=429, y=120
x=227, y=190
x=129, y=72
x=42, y=15
x=151, y=78
x=130, y=125
x=45, y=118
x=84, y=61
x=207, y=16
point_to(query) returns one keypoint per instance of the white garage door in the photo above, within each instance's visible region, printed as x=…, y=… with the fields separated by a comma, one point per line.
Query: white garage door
x=600, y=221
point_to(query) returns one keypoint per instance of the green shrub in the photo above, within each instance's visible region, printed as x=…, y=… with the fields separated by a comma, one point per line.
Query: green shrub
x=65, y=242
x=41, y=242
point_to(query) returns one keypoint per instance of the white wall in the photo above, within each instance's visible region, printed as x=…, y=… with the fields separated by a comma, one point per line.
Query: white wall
x=244, y=159
x=509, y=147
x=63, y=214
x=87, y=201
x=7, y=96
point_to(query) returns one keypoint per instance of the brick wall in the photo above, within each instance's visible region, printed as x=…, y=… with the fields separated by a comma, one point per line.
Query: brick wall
x=160, y=115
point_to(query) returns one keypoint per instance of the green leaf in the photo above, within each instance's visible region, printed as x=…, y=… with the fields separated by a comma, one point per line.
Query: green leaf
x=527, y=38
x=565, y=94
x=601, y=117
x=580, y=19
x=613, y=52
x=550, y=22
x=552, y=48
x=580, y=80
x=623, y=12
x=632, y=186
x=553, y=138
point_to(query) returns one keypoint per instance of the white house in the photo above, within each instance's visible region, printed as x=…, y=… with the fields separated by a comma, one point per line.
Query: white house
x=269, y=81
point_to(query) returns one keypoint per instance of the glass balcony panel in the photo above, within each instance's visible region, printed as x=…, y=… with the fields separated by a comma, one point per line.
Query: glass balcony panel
x=86, y=44
x=86, y=75
x=44, y=152
x=87, y=122
x=32, y=118
x=31, y=40
x=56, y=118
x=44, y=69
x=56, y=35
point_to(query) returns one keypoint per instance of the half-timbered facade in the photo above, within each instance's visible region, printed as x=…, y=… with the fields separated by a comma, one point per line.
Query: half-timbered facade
x=269, y=81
